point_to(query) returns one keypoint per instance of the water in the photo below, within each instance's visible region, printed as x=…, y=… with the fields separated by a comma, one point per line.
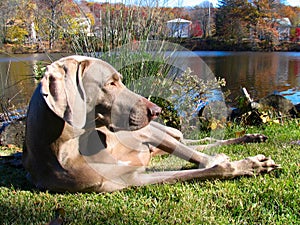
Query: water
x=260, y=73
x=16, y=77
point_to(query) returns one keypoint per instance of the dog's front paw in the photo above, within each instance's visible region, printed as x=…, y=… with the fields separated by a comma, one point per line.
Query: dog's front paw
x=254, y=138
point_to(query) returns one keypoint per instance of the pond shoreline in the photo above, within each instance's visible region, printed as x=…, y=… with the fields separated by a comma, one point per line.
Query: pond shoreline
x=192, y=44
x=195, y=44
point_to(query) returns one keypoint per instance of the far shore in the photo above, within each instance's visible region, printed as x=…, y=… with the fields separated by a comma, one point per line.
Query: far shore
x=192, y=44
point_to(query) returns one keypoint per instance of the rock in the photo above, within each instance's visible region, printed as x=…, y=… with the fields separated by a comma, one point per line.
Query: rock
x=270, y=108
x=278, y=103
x=12, y=133
x=298, y=109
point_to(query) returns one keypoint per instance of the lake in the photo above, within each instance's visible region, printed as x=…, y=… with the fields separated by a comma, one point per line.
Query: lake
x=261, y=73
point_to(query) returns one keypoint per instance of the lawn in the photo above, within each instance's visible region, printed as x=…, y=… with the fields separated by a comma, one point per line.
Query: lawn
x=266, y=199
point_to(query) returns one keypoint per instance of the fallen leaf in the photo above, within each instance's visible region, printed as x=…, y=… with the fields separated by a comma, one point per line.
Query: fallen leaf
x=240, y=133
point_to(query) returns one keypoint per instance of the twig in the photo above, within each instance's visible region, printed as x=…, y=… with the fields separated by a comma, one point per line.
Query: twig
x=247, y=95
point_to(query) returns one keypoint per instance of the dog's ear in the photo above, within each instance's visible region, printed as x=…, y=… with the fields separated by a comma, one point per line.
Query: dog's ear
x=63, y=90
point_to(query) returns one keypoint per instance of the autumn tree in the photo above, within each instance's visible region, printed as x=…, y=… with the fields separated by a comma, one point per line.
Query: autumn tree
x=7, y=12
x=268, y=12
x=203, y=13
x=16, y=18
x=51, y=18
x=234, y=19
x=53, y=8
x=25, y=9
x=293, y=13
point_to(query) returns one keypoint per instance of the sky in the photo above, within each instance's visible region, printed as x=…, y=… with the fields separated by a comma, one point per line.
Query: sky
x=180, y=3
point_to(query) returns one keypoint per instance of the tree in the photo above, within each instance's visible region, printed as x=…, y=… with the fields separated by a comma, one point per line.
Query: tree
x=7, y=12
x=203, y=15
x=293, y=13
x=16, y=18
x=16, y=33
x=265, y=28
x=50, y=17
x=54, y=7
x=235, y=18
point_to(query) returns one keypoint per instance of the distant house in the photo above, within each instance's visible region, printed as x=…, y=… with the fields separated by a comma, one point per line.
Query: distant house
x=283, y=28
x=179, y=28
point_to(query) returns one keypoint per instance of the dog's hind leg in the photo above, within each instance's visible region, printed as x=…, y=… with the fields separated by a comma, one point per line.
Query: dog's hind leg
x=247, y=138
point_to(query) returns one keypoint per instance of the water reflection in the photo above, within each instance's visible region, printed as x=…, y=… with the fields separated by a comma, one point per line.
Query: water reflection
x=260, y=73
x=16, y=81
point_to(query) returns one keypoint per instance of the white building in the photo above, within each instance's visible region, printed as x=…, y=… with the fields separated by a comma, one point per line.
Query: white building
x=179, y=28
x=283, y=28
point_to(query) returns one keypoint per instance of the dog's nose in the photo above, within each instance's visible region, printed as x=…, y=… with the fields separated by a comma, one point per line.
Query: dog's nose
x=154, y=111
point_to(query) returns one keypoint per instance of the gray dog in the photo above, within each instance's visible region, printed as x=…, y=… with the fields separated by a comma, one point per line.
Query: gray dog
x=87, y=132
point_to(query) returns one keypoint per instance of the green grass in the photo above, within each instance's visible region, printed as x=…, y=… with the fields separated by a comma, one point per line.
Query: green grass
x=267, y=199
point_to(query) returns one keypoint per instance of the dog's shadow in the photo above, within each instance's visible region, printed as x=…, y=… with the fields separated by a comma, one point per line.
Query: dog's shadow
x=12, y=173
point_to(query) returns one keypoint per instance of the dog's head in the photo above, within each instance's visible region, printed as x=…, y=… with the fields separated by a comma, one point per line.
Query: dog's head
x=82, y=90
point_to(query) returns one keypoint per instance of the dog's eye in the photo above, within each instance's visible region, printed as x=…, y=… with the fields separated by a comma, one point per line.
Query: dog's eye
x=112, y=84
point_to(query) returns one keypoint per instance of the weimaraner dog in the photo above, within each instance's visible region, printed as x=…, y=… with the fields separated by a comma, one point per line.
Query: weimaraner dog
x=87, y=132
